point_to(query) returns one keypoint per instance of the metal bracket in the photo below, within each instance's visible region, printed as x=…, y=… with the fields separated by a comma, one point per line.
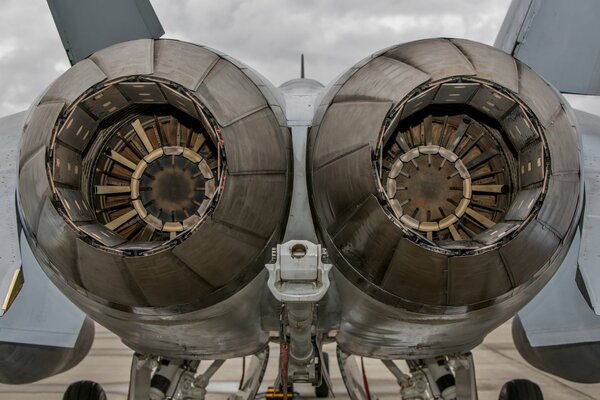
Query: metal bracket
x=351, y=375
x=421, y=383
x=464, y=372
x=141, y=373
x=325, y=369
x=298, y=274
x=249, y=387
x=299, y=278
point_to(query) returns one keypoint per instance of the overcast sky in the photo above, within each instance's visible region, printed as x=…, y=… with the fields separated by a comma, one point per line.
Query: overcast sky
x=268, y=35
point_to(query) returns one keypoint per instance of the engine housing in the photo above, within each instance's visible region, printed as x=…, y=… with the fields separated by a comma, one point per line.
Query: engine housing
x=154, y=179
x=445, y=182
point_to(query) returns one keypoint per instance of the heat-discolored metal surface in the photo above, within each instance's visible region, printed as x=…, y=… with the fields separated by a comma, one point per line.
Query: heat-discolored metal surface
x=140, y=159
x=366, y=225
x=135, y=57
x=181, y=62
x=155, y=177
x=447, y=176
x=368, y=77
x=347, y=121
x=216, y=88
x=490, y=64
x=73, y=82
x=336, y=208
x=406, y=277
x=438, y=58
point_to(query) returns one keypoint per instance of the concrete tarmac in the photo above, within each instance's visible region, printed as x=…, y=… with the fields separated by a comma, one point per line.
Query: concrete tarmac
x=496, y=361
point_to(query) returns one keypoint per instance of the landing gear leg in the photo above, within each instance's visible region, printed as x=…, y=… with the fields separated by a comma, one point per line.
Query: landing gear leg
x=464, y=372
x=251, y=384
x=139, y=379
x=159, y=378
x=448, y=378
x=351, y=375
x=324, y=386
x=322, y=391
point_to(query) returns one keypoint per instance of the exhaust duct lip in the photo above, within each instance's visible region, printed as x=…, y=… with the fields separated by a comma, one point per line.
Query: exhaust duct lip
x=86, y=187
x=480, y=118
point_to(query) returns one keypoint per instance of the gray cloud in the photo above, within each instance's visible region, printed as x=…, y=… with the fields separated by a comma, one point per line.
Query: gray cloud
x=268, y=35
x=31, y=54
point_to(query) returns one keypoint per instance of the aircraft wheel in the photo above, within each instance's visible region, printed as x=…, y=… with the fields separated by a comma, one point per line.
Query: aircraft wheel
x=84, y=390
x=322, y=391
x=521, y=389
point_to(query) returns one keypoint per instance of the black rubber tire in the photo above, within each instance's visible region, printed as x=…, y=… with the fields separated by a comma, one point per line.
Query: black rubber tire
x=322, y=391
x=84, y=390
x=521, y=389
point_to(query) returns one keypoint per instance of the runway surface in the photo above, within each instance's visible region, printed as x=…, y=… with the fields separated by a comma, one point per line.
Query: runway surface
x=496, y=360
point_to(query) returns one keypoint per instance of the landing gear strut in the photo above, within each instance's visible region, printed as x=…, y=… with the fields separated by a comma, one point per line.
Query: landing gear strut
x=447, y=378
x=159, y=378
x=322, y=390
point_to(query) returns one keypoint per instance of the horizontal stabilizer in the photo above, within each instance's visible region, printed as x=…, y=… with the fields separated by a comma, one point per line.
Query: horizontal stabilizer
x=559, y=314
x=577, y=306
x=41, y=315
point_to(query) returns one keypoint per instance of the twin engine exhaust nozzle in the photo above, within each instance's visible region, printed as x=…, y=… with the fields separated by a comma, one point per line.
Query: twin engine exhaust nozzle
x=443, y=177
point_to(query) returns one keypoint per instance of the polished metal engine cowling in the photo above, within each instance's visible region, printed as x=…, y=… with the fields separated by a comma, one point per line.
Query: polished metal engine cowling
x=154, y=179
x=445, y=183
